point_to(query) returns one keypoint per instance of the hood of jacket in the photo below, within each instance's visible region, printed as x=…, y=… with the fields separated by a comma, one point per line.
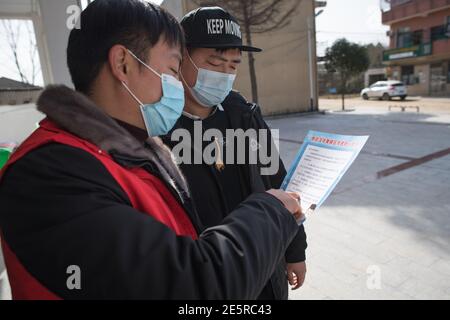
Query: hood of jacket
x=76, y=113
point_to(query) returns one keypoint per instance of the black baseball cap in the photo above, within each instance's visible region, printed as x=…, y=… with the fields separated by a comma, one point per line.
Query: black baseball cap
x=213, y=27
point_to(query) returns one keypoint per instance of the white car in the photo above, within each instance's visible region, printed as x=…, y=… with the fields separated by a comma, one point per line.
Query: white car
x=385, y=90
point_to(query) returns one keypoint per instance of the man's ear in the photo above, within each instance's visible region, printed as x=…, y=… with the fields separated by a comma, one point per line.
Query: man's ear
x=119, y=62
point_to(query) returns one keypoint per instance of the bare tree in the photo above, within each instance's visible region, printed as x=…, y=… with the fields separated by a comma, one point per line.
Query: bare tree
x=33, y=52
x=13, y=37
x=13, y=32
x=257, y=16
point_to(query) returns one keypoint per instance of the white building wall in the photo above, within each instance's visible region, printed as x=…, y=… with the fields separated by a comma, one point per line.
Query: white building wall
x=53, y=34
x=174, y=7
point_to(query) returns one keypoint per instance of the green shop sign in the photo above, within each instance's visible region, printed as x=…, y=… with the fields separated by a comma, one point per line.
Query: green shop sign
x=408, y=52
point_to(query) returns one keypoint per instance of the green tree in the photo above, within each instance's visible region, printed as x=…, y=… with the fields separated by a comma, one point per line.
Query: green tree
x=348, y=60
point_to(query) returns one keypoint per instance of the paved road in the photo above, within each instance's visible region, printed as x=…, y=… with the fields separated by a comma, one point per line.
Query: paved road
x=396, y=227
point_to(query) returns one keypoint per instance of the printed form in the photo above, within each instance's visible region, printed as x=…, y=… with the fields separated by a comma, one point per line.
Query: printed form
x=319, y=165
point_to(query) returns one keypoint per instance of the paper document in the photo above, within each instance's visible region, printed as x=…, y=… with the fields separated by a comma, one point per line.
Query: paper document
x=319, y=165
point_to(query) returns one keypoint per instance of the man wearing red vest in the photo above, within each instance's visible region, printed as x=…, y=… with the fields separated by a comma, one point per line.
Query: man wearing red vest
x=93, y=209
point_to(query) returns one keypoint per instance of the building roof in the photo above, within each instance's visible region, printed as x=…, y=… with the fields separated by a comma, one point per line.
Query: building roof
x=7, y=84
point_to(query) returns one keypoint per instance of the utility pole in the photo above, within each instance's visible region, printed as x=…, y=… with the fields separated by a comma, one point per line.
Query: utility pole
x=312, y=61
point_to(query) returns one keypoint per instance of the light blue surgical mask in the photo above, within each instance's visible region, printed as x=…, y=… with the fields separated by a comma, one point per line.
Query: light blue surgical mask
x=212, y=87
x=160, y=117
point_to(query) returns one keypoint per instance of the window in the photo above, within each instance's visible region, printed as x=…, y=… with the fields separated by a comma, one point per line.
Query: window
x=408, y=76
x=438, y=32
x=404, y=38
x=416, y=37
x=21, y=36
x=442, y=31
x=407, y=38
x=448, y=72
x=447, y=27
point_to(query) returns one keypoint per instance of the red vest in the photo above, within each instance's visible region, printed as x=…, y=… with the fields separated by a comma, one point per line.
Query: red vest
x=146, y=192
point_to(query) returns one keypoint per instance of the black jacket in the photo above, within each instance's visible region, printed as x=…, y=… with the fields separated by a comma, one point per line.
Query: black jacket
x=61, y=207
x=244, y=115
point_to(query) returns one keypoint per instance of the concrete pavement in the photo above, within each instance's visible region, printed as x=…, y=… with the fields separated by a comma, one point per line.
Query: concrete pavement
x=380, y=238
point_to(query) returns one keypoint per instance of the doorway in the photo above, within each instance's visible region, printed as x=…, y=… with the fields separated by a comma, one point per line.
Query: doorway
x=438, y=79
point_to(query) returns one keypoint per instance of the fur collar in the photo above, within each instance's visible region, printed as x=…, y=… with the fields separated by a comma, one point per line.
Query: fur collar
x=77, y=114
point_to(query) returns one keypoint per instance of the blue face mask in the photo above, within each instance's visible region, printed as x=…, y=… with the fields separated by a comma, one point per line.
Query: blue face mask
x=160, y=117
x=212, y=87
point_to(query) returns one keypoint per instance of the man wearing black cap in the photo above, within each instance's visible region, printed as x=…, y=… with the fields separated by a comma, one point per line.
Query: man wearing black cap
x=93, y=206
x=208, y=71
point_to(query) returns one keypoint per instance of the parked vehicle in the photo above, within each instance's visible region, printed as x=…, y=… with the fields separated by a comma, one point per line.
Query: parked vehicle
x=385, y=90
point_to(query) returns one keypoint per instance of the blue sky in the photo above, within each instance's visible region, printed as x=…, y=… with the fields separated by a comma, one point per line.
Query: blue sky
x=357, y=20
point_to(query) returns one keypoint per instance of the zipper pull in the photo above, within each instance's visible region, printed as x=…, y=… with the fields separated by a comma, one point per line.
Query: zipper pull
x=219, y=162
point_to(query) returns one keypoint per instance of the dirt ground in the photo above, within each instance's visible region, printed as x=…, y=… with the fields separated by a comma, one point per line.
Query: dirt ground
x=426, y=104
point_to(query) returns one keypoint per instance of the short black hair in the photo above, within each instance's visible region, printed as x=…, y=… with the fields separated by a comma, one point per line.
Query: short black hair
x=135, y=24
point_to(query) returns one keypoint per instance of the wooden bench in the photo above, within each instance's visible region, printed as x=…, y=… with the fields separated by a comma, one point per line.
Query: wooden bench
x=403, y=108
